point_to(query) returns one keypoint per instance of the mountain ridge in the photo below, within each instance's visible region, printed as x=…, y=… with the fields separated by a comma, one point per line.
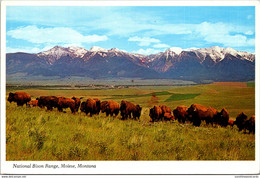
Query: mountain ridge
x=176, y=63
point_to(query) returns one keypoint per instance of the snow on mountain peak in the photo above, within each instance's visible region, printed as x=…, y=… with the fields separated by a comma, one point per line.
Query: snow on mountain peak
x=176, y=50
x=97, y=49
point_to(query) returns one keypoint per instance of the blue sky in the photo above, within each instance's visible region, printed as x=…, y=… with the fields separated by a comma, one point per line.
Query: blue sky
x=140, y=29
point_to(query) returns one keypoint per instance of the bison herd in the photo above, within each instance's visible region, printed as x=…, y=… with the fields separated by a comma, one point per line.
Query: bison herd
x=194, y=114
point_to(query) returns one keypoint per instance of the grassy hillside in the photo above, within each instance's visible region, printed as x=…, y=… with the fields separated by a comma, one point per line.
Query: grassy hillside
x=36, y=134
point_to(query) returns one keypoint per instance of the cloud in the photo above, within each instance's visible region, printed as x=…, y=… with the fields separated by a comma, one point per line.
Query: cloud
x=27, y=49
x=54, y=35
x=145, y=41
x=147, y=51
x=160, y=45
x=225, y=34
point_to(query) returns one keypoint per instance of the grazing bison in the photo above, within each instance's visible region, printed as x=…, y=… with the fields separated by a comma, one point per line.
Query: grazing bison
x=156, y=113
x=48, y=101
x=127, y=108
x=33, y=103
x=198, y=113
x=91, y=106
x=66, y=103
x=77, y=103
x=241, y=121
x=250, y=124
x=223, y=117
x=181, y=113
x=110, y=108
x=20, y=98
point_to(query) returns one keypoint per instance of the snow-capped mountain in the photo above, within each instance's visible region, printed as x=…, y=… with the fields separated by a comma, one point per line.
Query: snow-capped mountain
x=57, y=52
x=213, y=63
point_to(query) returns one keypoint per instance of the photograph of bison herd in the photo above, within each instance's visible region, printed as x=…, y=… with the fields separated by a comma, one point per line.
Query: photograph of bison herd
x=194, y=114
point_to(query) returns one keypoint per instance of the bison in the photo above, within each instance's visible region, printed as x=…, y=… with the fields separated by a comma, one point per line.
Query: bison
x=110, y=108
x=165, y=109
x=33, y=103
x=66, y=103
x=240, y=121
x=77, y=103
x=181, y=113
x=250, y=124
x=48, y=101
x=156, y=113
x=197, y=113
x=223, y=117
x=20, y=98
x=91, y=106
x=127, y=108
x=167, y=116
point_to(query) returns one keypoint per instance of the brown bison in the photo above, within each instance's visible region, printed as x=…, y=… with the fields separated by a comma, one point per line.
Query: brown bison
x=223, y=117
x=197, y=113
x=241, y=121
x=168, y=117
x=110, y=108
x=156, y=113
x=165, y=109
x=48, y=101
x=181, y=113
x=20, y=98
x=127, y=108
x=77, y=103
x=33, y=103
x=250, y=124
x=91, y=106
x=66, y=103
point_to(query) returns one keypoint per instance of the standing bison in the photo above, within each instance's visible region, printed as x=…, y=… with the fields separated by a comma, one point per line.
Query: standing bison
x=77, y=103
x=156, y=113
x=181, y=113
x=110, y=108
x=250, y=124
x=127, y=108
x=241, y=121
x=20, y=98
x=223, y=118
x=64, y=103
x=91, y=106
x=48, y=101
x=197, y=113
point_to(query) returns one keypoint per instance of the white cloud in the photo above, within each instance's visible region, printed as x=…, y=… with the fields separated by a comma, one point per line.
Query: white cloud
x=147, y=51
x=249, y=32
x=160, y=45
x=145, y=41
x=54, y=35
x=27, y=49
x=223, y=33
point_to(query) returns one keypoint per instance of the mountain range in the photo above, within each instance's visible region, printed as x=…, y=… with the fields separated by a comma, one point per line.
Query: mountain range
x=213, y=63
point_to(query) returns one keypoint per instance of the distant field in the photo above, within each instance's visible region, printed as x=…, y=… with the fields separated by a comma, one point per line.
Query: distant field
x=36, y=134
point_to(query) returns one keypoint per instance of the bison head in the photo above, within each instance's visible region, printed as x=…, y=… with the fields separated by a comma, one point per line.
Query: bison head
x=11, y=97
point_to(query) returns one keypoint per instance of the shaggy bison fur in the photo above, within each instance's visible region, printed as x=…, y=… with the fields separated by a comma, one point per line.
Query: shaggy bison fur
x=110, y=108
x=127, y=109
x=20, y=98
x=181, y=113
x=48, y=101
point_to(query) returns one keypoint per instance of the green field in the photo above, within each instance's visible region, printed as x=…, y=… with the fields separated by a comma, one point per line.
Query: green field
x=37, y=134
